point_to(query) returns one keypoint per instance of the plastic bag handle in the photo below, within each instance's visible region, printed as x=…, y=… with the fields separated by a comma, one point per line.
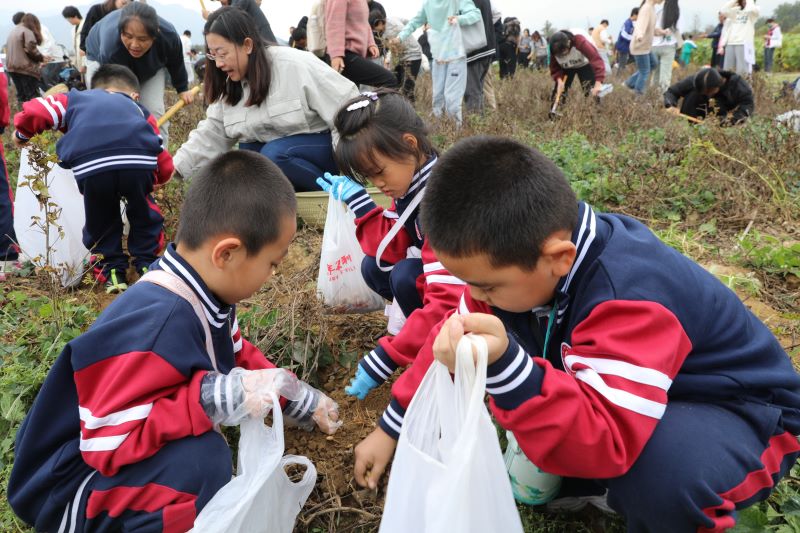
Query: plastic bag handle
x=396, y=229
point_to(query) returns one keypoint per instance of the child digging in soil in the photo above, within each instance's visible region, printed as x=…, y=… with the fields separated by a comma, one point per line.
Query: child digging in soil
x=383, y=140
x=612, y=357
x=733, y=97
x=113, y=146
x=122, y=434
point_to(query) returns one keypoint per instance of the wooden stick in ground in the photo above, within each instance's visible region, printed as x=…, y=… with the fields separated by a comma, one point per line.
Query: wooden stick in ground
x=687, y=117
x=559, y=92
x=177, y=107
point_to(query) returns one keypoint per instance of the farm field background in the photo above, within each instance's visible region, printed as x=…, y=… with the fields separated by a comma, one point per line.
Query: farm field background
x=728, y=198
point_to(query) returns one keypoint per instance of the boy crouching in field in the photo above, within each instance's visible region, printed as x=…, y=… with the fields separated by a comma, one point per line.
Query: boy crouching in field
x=122, y=434
x=612, y=357
x=113, y=147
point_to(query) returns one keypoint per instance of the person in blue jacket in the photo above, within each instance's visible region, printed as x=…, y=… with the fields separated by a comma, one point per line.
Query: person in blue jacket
x=137, y=38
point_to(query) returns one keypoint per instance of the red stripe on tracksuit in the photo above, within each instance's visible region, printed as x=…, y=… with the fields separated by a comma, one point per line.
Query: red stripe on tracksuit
x=178, y=508
x=779, y=446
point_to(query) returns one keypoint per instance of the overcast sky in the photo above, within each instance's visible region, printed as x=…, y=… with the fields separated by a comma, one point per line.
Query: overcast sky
x=532, y=13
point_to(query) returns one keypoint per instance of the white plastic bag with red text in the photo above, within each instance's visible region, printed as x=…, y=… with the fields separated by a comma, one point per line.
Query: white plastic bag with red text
x=260, y=498
x=340, y=284
x=448, y=472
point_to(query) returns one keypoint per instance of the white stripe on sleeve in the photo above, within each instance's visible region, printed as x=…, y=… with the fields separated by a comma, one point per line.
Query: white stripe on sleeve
x=639, y=374
x=622, y=398
x=114, y=419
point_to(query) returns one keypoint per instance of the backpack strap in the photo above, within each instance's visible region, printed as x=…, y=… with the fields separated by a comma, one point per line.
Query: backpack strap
x=396, y=229
x=176, y=285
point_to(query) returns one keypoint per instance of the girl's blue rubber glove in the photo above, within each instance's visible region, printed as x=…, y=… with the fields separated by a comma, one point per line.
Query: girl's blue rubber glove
x=340, y=187
x=361, y=384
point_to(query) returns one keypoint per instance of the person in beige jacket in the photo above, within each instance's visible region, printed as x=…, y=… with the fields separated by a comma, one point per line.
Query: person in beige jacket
x=641, y=46
x=275, y=100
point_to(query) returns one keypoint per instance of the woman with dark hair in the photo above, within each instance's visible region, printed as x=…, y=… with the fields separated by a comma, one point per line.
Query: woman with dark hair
x=666, y=38
x=136, y=37
x=539, y=50
x=731, y=93
x=275, y=100
x=23, y=58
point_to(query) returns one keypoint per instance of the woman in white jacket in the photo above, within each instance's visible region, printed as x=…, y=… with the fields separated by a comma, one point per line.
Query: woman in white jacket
x=275, y=100
x=666, y=38
x=739, y=32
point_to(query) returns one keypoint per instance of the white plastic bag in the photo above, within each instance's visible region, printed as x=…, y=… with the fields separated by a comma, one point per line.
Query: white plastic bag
x=448, y=472
x=340, y=284
x=261, y=498
x=68, y=254
x=447, y=44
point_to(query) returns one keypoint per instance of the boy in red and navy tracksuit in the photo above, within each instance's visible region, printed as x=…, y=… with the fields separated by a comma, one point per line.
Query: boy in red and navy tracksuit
x=9, y=253
x=612, y=357
x=122, y=434
x=113, y=146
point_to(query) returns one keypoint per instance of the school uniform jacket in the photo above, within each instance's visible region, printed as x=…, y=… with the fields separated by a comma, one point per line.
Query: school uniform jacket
x=121, y=391
x=440, y=290
x=103, y=132
x=637, y=325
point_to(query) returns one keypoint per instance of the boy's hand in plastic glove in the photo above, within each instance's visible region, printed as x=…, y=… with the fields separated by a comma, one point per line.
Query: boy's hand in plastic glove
x=230, y=398
x=340, y=187
x=361, y=384
x=313, y=407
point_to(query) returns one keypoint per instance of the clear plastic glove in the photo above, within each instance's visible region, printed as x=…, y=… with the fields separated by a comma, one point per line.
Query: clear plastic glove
x=313, y=408
x=228, y=399
x=340, y=187
x=361, y=384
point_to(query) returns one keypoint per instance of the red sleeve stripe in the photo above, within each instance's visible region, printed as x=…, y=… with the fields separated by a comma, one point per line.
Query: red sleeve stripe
x=639, y=374
x=102, y=444
x=90, y=421
x=621, y=398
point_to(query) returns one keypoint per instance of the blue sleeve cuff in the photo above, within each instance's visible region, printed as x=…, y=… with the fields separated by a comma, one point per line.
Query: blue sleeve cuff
x=514, y=378
x=392, y=420
x=378, y=365
x=360, y=203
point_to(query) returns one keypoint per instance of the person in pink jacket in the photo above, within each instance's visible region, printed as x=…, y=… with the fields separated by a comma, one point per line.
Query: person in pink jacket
x=350, y=41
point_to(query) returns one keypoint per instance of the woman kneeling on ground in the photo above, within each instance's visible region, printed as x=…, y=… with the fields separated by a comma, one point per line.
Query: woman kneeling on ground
x=275, y=100
x=731, y=93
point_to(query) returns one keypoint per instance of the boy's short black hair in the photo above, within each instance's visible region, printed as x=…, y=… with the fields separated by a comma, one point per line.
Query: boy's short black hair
x=119, y=76
x=240, y=193
x=16, y=18
x=497, y=197
x=604, y=21
x=770, y=20
x=71, y=11
x=634, y=11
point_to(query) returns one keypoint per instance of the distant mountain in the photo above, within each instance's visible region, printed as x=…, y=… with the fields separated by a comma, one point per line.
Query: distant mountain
x=180, y=17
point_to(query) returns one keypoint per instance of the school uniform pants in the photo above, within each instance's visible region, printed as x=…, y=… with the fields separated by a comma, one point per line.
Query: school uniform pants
x=8, y=239
x=449, y=80
x=586, y=76
x=476, y=76
x=103, y=230
x=703, y=463
x=302, y=158
x=363, y=71
x=399, y=284
x=163, y=493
